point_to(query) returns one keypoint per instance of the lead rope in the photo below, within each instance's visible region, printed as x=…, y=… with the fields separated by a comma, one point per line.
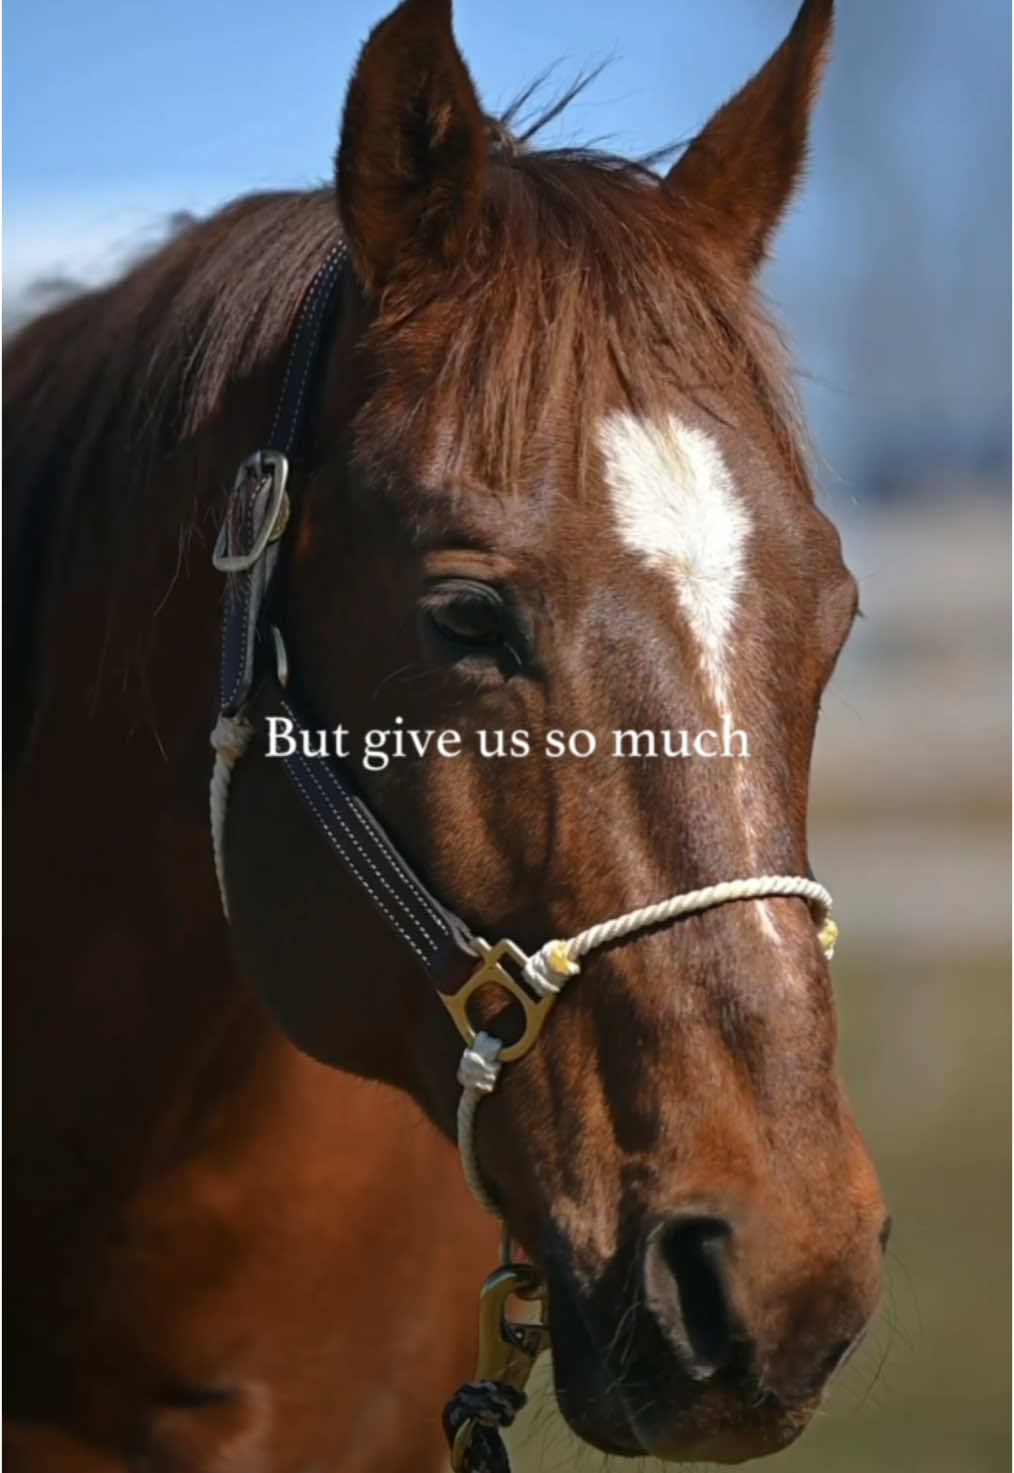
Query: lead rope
x=490, y=1406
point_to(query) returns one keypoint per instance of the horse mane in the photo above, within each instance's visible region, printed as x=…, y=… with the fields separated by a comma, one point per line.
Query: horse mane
x=104, y=389
x=116, y=383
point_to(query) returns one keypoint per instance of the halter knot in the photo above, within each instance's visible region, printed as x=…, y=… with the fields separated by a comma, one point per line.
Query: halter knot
x=478, y=1070
x=230, y=737
x=828, y=937
x=549, y=967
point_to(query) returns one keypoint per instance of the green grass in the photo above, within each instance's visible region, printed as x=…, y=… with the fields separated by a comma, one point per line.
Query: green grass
x=925, y=1051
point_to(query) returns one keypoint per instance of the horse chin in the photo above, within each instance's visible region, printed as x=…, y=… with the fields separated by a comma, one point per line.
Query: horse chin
x=588, y=1395
x=771, y=1430
x=595, y=1416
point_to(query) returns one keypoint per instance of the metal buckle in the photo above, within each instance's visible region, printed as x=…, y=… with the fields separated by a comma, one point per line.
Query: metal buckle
x=262, y=463
x=490, y=973
x=508, y=1349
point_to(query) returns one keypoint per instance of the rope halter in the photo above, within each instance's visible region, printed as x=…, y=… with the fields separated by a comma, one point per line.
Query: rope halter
x=542, y=976
x=229, y=739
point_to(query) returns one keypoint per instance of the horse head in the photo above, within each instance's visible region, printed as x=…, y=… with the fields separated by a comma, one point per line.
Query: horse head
x=557, y=492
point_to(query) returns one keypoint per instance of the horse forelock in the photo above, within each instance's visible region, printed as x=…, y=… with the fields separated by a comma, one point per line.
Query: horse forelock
x=583, y=288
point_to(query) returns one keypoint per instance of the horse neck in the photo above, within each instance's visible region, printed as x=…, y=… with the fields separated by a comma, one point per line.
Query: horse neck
x=128, y=1006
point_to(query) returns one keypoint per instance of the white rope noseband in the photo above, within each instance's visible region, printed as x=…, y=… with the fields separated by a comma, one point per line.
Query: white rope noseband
x=547, y=970
x=544, y=972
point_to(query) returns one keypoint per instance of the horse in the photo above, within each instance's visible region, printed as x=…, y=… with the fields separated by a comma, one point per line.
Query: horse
x=552, y=481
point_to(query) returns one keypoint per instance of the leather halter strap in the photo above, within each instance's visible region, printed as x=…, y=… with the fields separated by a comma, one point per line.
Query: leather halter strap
x=247, y=551
x=439, y=939
x=258, y=509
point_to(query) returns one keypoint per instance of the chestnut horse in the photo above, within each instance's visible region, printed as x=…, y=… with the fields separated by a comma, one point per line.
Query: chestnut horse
x=551, y=479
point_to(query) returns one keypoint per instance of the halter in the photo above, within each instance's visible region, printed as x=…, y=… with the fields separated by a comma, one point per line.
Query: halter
x=247, y=551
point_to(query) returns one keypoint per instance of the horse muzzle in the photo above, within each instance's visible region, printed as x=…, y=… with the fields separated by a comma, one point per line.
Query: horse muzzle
x=667, y=1353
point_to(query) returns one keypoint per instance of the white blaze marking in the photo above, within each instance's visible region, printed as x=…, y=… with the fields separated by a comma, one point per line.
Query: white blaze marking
x=676, y=505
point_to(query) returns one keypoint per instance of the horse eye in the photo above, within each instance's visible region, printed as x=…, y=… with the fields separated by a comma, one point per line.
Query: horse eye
x=467, y=614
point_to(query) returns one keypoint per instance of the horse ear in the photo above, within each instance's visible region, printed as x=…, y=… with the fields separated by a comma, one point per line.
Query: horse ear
x=411, y=160
x=740, y=171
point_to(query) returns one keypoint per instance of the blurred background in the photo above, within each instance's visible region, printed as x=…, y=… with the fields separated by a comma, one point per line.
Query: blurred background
x=892, y=280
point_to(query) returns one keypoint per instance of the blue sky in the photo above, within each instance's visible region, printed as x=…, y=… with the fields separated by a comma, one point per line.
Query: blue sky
x=120, y=111
x=120, y=107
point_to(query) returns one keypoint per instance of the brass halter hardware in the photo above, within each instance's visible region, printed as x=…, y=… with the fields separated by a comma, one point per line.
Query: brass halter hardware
x=491, y=972
x=508, y=1349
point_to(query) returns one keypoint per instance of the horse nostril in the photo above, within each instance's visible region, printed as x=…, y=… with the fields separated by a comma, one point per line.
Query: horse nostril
x=686, y=1284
